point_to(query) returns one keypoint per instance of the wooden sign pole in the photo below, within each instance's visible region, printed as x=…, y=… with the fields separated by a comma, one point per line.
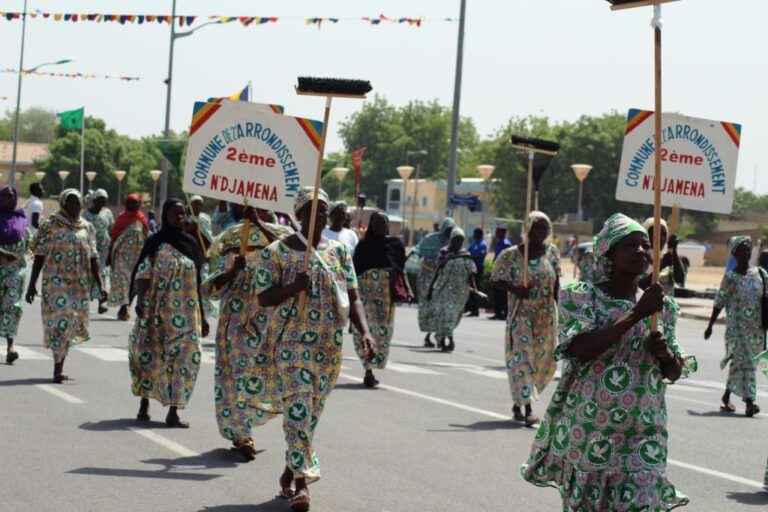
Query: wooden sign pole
x=657, y=155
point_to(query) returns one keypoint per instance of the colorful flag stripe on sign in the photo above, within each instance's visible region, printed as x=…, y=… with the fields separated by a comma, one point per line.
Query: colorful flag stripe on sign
x=202, y=112
x=636, y=118
x=313, y=129
x=734, y=132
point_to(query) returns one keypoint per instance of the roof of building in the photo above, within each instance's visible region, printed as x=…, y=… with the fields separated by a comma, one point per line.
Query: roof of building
x=26, y=152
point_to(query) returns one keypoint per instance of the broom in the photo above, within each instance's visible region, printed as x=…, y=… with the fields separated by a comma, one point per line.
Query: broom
x=532, y=146
x=328, y=88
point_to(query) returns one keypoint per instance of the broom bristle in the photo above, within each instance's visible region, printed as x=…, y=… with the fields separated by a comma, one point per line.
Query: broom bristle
x=529, y=142
x=333, y=86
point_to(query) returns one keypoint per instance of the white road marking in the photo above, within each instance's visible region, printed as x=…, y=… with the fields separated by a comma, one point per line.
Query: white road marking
x=208, y=357
x=497, y=362
x=720, y=386
x=710, y=405
x=474, y=369
x=495, y=415
x=410, y=368
x=109, y=354
x=25, y=353
x=163, y=441
x=715, y=473
x=59, y=394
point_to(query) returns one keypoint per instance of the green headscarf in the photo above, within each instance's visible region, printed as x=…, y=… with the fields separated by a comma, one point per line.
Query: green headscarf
x=70, y=192
x=614, y=229
x=735, y=241
x=304, y=196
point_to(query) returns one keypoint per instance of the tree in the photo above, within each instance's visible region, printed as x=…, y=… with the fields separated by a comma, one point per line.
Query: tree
x=35, y=125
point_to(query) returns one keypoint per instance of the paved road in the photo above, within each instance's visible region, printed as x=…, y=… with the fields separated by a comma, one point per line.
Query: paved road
x=435, y=437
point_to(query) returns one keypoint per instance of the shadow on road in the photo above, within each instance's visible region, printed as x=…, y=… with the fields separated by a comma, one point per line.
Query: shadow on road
x=24, y=382
x=267, y=506
x=480, y=426
x=140, y=473
x=718, y=414
x=218, y=458
x=749, y=498
x=121, y=424
x=352, y=386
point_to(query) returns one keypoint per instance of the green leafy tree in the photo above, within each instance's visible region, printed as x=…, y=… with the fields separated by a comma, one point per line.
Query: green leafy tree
x=36, y=125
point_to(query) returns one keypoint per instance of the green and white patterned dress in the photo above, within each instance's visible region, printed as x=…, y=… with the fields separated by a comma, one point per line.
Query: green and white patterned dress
x=125, y=254
x=449, y=295
x=603, y=440
x=13, y=275
x=741, y=296
x=102, y=222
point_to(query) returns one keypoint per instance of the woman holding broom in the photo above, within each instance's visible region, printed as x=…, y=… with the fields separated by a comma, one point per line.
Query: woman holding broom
x=532, y=322
x=741, y=293
x=379, y=259
x=164, y=355
x=307, y=351
x=128, y=234
x=603, y=440
x=238, y=345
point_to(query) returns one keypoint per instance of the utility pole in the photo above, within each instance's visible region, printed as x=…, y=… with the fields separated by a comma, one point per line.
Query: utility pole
x=452, y=158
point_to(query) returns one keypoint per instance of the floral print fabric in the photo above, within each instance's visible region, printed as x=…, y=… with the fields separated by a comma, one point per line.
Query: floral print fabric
x=67, y=247
x=603, y=440
x=125, y=254
x=374, y=290
x=164, y=356
x=450, y=291
x=740, y=296
x=102, y=222
x=12, y=277
x=531, y=324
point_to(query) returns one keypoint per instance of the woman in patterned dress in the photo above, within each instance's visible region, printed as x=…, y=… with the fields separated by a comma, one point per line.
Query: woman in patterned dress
x=200, y=222
x=378, y=257
x=164, y=356
x=14, y=241
x=128, y=235
x=428, y=250
x=603, y=440
x=450, y=287
x=65, y=252
x=307, y=344
x=532, y=322
x=740, y=294
x=101, y=218
x=236, y=390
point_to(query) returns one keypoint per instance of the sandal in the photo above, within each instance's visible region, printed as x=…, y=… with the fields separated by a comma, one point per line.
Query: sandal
x=124, y=316
x=531, y=421
x=246, y=448
x=752, y=409
x=143, y=416
x=517, y=414
x=176, y=423
x=11, y=356
x=103, y=309
x=58, y=378
x=300, y=501
x=728, y=407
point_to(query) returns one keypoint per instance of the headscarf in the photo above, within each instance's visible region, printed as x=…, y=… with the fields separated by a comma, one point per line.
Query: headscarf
x=339, y=204
x=13, y=223
x=61, y=218
x=535, y=216
x=126, y=218
x=195, y=197
x=430, y=245
x=175, y=237
x=457, y=232
x=735, y=241
x=448, y=253
x=70, y=192
x=99, y=192
x=304, y=196
x=375, y=251
x=614, y=229
x=648, y=224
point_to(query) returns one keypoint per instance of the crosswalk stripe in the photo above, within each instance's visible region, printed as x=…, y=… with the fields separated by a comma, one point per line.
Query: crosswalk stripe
x=59, y=394
x=109, y=354
x=25, y=353
x=412, y=369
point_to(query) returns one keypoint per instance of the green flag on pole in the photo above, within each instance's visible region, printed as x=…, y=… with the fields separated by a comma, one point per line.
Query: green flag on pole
x=72, y=119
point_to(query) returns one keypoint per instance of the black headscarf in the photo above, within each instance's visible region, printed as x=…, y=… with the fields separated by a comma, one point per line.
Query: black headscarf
x=378, y=251
x=176, y=238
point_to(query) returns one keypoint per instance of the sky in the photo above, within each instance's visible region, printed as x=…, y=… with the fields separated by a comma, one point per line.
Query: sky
x=559, y=58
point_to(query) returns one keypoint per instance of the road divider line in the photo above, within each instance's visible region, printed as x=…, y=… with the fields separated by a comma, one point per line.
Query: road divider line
x=715, y=473
x=165, y=442
x=59, y=394
x=25, y=353
x=495, y=415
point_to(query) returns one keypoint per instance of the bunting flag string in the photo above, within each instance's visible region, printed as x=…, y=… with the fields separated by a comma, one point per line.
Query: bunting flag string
x=72, y=75
x=182, y=20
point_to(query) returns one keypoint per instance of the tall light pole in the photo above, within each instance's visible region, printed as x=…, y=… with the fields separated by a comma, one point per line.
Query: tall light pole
x=405, y=172
x=581, y=171
x=169, y=82
x=453, y=155
x=485, y=172
x=91, y=175
x=155, y=175
x=120, y=175
x=63, y=175
x=340, y=172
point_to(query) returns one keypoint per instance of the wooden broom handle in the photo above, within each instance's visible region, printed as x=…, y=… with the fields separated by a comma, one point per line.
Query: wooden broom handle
x=313, y=212
x=525, y=219
x=657, y=161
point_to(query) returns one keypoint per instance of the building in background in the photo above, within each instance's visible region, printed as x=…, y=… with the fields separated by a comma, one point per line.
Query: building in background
x=26, y=154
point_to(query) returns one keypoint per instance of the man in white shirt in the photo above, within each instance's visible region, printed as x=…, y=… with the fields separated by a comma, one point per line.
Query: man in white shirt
x=337, y=231
x=33, y=207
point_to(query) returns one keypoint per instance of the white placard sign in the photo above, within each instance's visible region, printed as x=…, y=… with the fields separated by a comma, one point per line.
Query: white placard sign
x=699, y=159
x=241, y=151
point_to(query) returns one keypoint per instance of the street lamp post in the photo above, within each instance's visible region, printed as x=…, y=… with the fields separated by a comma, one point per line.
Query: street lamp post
x=39, y=175
x=405, y=172
x=155, y=175
x=63, y=175
x=120, y=175
x=340, y=173
x=485, y=172
x=90, y=175
x=581, y=171
x=421, y=152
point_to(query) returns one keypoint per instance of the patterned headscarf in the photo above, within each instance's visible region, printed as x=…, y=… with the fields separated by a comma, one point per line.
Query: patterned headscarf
x=735, y=241
x=448, y=222
x=536, y=216
x=614, y=229
x=99, y=192
x=457, y=233
x=70, y=192
x=304, y=196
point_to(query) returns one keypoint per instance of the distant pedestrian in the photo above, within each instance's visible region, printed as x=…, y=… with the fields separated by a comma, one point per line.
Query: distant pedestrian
x=164, y=356
x=603, y=441
x=128, y=235
x=451, y=284
x=227, y=215
x=478, y=249
x=741, y=293
x=307, y=350
x=672, y=269
x=102, y=220
x=428, y=250
x=34, y=208
x=14, y=242
x=152, y=223
x=532, y=323
x=65, y=252
x=200, y=228
x=336, y=231
x=202, y=218
x=500, y=244
x=379, y=265
x=586, y=265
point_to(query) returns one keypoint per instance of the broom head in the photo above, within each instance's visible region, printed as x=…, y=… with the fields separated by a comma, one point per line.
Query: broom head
x=535, y=145
x=629, y=4
x=337, y=87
